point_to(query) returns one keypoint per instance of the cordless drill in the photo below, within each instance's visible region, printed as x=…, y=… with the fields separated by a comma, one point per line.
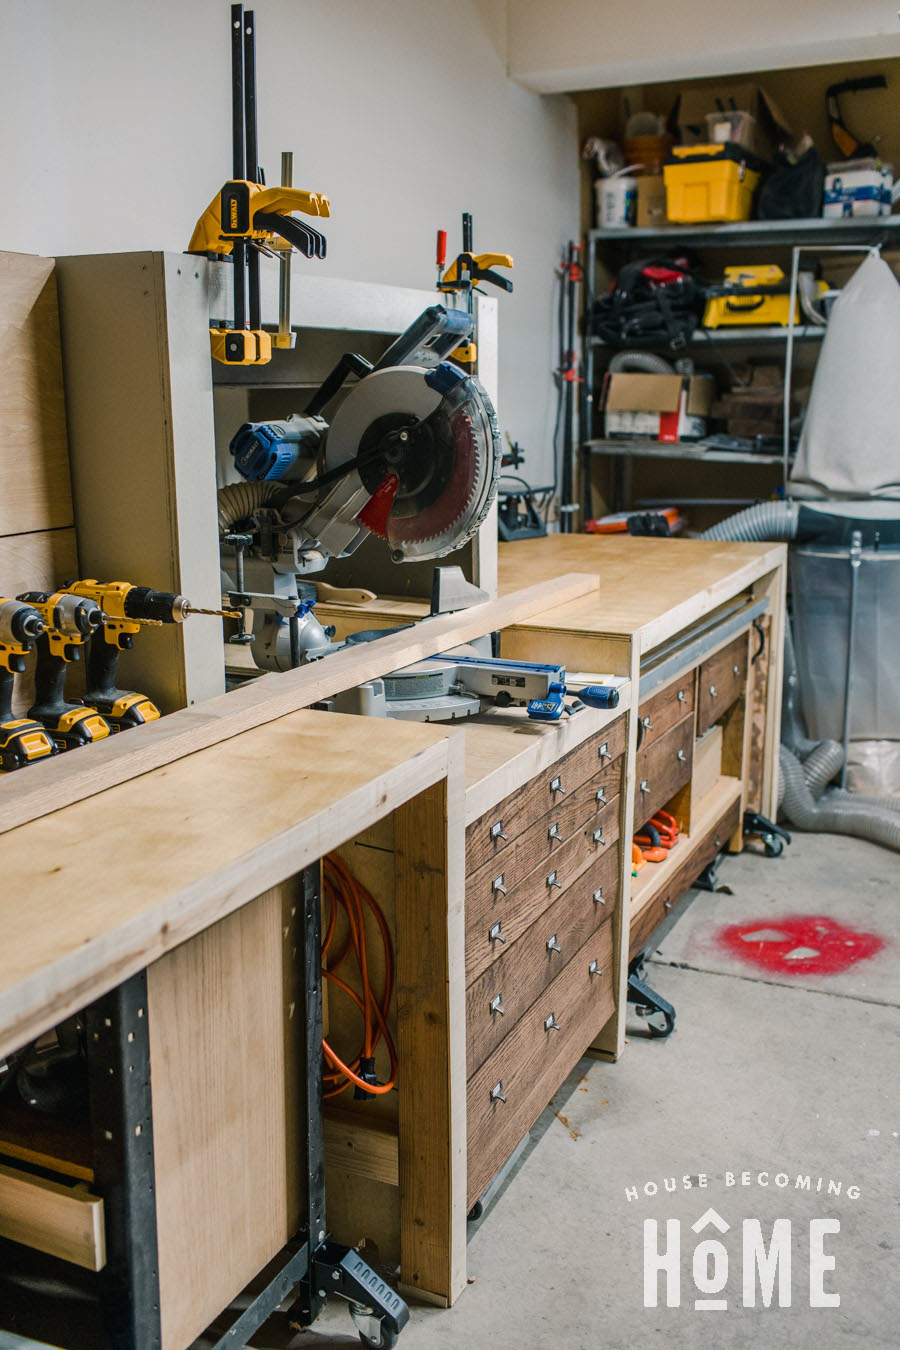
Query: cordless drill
x=126, y=607
x=22, y=740
x=69, y=621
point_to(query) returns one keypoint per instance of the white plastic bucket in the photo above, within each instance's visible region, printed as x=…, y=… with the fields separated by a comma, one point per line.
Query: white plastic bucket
x=616, y=201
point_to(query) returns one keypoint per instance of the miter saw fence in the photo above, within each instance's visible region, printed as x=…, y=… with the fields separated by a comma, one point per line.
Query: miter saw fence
x=412, y=454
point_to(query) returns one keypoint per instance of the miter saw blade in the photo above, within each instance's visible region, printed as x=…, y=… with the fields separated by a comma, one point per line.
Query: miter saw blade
x=436, y=432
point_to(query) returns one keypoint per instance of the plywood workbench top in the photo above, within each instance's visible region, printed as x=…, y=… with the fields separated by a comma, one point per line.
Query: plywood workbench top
x=650, y=588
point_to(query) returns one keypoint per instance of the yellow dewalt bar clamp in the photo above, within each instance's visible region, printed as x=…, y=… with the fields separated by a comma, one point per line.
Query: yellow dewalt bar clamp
x=247, y=218
x=462, y=277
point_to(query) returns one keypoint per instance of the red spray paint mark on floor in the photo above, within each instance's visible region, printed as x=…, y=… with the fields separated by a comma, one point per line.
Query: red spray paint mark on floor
x=807, y=944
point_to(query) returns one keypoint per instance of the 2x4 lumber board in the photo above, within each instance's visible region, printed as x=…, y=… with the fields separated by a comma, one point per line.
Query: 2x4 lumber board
x=431, y=1039
x=652, y=588
x=35, y=493
x=120, y=880
x=63, y=1221
x=361, y=1149
x=44, y=787
x=225, y=1051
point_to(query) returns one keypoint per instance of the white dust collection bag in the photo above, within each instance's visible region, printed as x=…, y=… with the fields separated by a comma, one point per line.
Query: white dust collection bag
x=850, y=443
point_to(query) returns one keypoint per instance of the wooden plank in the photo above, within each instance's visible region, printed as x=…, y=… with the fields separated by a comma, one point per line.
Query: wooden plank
x=757, y=709
x=225, y=1049
x=360, y=1150
x=63, y=1221
x=120, y=758
x=35, y=492
x=431, y=1021
x=185, y=846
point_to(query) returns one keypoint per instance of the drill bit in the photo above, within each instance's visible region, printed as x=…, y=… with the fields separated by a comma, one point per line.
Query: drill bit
x=218, y=613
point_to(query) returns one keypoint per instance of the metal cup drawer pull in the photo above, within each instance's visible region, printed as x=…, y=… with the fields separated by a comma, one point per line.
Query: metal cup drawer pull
x=496, y=1004
x=713, y=691
x=603, y=752
x=553, y=832
x=498, y=885
x=551, y=1024
x=598, y=896
x=647, y=722
x=497, y=1093
x=594, y=969
x=735, y=670
x=681, y=696
x=553, y=880
x=645, y=785
x=597, y=835
x=667, y=905
x=553, y=944
x=681, y=756
x=556, y=785
x=495, y=933
x=497, y=831
x=601, y=796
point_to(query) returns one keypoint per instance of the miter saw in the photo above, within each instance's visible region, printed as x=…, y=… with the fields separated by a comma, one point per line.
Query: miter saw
x=412, y=454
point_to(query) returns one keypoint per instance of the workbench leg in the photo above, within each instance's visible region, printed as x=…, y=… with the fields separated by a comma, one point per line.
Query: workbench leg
x=118, y=1053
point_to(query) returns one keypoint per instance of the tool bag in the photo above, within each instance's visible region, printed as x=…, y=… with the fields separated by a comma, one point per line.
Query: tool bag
x=654, y=303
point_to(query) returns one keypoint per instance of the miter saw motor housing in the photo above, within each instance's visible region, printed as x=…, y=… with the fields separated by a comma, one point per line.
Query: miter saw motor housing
x=412, y=454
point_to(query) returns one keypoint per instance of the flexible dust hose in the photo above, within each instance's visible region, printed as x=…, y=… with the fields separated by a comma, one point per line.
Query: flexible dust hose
x=646, y=362
x=821, y=766
x=792, y=732
x=767, y=520
x=880, y=803
x=237, y=501
x=830, y=816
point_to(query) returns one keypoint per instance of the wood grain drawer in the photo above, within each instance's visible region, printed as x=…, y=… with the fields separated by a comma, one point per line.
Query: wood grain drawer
x=509, y=986
x=531, y=1062
x=645, y=923
x=658, y=713
x=547, y=791
x=59, y=1218
x=720, y=682
x=495, y=921
x=662, y=768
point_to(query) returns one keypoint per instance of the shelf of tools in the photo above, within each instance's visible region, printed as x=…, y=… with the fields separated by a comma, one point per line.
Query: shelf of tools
x=730, y=351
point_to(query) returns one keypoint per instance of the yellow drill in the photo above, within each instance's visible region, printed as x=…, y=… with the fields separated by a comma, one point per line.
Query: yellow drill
x=126, y=608
x=22, y=739
x=69, y=621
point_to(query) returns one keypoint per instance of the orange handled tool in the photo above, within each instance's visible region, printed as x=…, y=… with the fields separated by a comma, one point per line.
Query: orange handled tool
x=441, y=254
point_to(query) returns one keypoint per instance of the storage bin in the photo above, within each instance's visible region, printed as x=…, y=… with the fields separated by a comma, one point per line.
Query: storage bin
x=710, y=182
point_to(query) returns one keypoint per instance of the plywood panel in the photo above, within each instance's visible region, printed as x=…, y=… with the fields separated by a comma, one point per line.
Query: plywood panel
x=35, y=493
x=225, y=1032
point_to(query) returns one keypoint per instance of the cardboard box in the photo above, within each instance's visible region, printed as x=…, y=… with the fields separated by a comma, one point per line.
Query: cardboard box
x=651, y=201
x=766, y=128
x=658, y=407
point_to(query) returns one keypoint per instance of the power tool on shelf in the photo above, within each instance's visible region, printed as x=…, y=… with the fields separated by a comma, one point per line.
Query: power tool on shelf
x=70, y=621
x=462, y=278
x=412, y=454
x=848, y=144
x=127, y=609
x=247, y=218
x=22, y=739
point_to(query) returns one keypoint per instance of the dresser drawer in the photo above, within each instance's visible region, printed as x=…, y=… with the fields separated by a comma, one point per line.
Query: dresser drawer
x=720, y=682
x=645, y=923
x=662, y=768
x=531, y=1062
x=549, y=790
x=495, y=920
x=658, y=713
x=509, y=986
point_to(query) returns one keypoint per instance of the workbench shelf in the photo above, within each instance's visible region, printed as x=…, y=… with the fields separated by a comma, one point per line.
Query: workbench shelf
x=866, y=231
x=696, y=450
x=738, y=336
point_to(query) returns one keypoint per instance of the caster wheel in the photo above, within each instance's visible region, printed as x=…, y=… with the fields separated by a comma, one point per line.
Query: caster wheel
x=372, y=1332
x=774, y=846
x=660, y=1024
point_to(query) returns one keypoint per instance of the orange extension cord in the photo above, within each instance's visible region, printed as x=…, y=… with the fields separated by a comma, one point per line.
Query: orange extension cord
x=345, y=894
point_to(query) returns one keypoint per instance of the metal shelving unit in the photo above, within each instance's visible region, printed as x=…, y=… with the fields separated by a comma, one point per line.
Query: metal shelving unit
x=863, y=232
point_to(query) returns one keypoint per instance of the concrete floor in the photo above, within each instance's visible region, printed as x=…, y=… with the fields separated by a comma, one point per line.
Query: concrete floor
x=788, y=1074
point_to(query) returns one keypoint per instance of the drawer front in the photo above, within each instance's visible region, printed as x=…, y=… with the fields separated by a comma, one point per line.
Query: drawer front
x=658, y=713
x=60, y=1219
x=721, y=682
x=509, y=986
x=544, y=842
x=662, y=768
x=645, y=923
x=494, y=921
x=531, y=1062
x=487, y=837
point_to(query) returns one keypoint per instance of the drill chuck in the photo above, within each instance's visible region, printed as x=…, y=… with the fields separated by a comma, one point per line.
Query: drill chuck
x=141, y=602
x=71, y=615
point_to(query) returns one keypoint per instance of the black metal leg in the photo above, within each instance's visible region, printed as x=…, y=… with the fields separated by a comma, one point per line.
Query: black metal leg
x=118, y=1054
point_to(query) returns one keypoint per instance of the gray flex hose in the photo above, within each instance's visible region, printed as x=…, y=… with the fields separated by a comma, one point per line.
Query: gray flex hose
x=880, y=803
x=821, y=765
x=766, y=520
x=237, y=501
x=646, y=362
x=831, y=816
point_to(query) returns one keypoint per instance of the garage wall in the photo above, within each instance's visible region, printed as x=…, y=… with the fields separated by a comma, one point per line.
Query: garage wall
x=116, y=134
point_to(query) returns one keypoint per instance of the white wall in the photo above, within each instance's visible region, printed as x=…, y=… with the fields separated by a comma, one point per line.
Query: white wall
x=559, y=45
x=115, y=135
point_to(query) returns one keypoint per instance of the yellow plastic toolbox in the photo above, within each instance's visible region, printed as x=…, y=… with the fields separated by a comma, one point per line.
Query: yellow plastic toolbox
x=710, y=182
x=753, y=294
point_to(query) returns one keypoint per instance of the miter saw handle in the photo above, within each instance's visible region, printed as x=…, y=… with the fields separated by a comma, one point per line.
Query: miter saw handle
x=599, y=696
x=435, y=334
